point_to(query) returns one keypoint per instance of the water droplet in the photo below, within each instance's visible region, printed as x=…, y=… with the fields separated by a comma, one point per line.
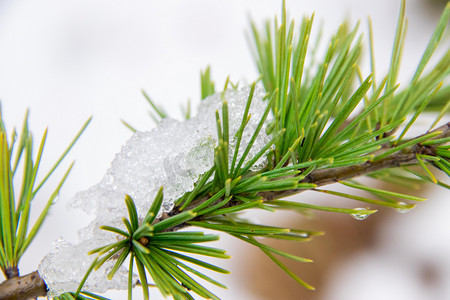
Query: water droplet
x=56, y=200
x=404, y=207
x=167, y=206
x=360, y=215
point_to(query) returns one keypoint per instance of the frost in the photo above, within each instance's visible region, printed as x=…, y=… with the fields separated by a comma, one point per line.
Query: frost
x=173, y=155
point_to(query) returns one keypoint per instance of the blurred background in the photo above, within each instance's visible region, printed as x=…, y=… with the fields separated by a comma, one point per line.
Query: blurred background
x=68, y=60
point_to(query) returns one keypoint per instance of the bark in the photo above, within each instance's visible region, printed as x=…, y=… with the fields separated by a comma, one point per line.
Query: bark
x=24, y=287
x=11, y=272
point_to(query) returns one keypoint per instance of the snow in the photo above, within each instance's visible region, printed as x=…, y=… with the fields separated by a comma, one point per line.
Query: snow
x=173, y=155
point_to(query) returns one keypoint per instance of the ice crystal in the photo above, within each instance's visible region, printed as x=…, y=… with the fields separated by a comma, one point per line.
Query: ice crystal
x=173, y=155
x=64, y=267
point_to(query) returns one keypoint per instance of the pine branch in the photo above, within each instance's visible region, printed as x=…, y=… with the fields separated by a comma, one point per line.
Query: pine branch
x=328, y=176
x=32, y=285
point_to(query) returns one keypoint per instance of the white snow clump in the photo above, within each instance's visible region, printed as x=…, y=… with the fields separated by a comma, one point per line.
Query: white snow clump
x=173, y=155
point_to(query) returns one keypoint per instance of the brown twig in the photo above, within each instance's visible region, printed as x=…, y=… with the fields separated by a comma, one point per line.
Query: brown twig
x=11, y=272
x=24, y=287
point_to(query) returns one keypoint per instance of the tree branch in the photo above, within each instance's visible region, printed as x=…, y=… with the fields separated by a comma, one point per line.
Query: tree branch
x=23, y=287
x=323, y=177
x=11, y=272
x=32, y=285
